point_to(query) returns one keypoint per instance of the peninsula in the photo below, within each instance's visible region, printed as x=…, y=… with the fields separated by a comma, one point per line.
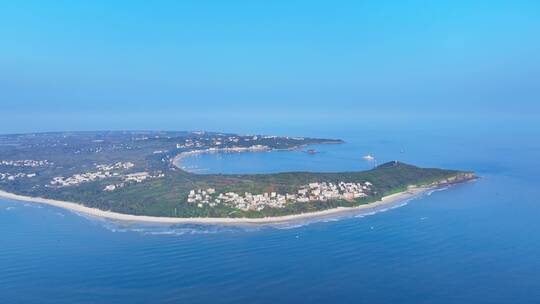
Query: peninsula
x=134, y=175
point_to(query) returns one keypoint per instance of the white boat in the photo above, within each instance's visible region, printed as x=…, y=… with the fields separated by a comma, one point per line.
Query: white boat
x=369, y=157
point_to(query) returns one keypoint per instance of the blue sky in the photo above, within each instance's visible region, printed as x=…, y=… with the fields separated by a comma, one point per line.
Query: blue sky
x=80, y=65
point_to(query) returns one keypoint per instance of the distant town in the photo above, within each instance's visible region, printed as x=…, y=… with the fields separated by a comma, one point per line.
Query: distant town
x=257, y=202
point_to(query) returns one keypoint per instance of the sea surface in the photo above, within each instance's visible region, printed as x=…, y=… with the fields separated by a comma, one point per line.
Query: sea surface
x=477, y=242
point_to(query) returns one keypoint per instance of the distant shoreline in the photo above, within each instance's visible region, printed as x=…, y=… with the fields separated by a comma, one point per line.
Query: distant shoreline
x=78, y=208
x=176, y=161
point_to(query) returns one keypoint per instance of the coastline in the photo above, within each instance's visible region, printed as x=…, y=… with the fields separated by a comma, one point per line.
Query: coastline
x=110, y=215
x=176, y=161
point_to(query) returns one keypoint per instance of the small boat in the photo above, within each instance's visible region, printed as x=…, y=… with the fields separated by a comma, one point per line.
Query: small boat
x=368, y=157
x=312, y=151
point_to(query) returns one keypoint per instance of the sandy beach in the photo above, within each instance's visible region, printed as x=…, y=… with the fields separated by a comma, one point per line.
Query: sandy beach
x=176, y=161
x=78, y=208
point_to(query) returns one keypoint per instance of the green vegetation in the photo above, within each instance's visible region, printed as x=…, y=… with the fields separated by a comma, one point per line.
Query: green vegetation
x=76, y=153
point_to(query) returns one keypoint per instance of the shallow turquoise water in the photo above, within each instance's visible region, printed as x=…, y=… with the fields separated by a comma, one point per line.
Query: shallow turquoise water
x=472, y=243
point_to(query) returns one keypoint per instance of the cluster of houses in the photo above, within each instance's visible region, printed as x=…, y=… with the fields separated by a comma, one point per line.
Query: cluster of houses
x=189, y=143
x=12, y=177
x=24, y=163
x=253, y=148
x=212, y=141
x=222, y=141
x=104, y=172
x=77, y=179
x=116, y=166
x=137, y=177
x=330, y=191
x=312, y=192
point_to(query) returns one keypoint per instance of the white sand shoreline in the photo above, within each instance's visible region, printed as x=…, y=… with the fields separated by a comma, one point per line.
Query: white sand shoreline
x=78, y=208
x=177, y=160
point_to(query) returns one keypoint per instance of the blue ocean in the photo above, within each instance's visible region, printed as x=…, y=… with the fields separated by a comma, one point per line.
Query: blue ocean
x=476, y=242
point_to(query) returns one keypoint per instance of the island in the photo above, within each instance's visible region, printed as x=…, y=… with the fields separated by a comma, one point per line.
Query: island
x=137, y=175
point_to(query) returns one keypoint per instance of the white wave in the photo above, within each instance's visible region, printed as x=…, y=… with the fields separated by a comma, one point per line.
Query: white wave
x=376, y=210
x=38, y=206
x=287, y=226
x=330, y=220
x=363, y=214
x=182, y=232
x=177, y=230
x=405, y=203
x=430, y=192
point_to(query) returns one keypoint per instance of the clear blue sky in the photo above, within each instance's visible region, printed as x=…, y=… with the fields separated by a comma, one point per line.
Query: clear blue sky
x=79, y=65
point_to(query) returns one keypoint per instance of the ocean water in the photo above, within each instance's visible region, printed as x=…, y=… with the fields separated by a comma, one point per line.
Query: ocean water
x=476, y=242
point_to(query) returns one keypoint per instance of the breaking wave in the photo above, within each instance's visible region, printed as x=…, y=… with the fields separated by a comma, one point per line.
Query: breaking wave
x=175, y=230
